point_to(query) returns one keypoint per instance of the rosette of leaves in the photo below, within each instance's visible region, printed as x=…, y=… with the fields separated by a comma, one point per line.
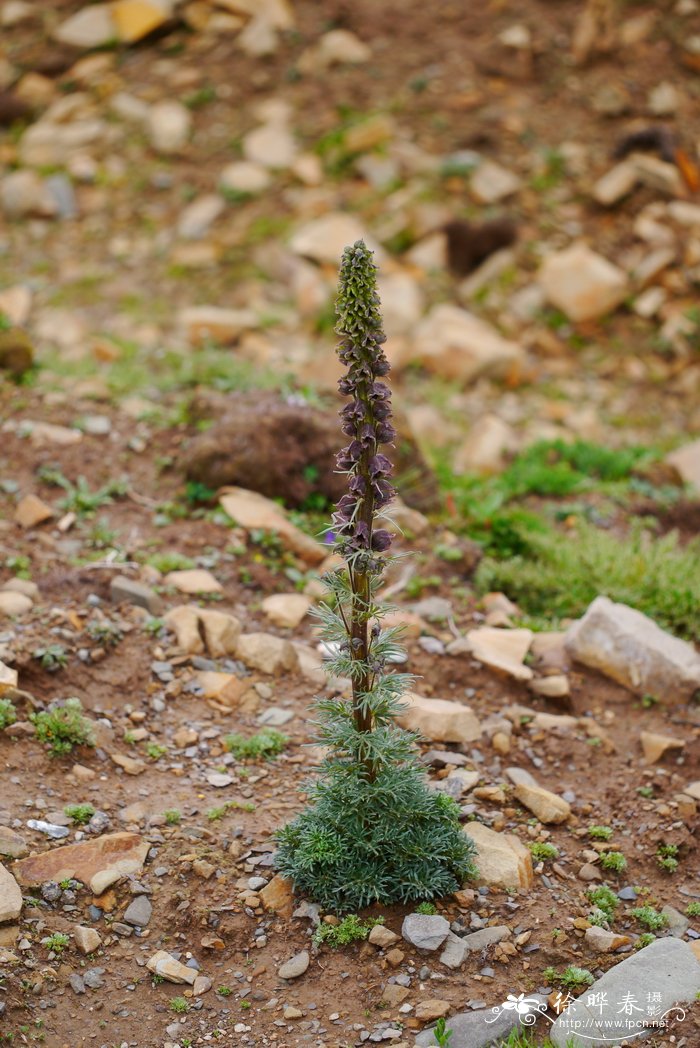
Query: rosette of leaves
x=373, y=831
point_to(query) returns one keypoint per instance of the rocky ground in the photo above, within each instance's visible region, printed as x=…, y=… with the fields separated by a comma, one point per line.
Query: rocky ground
x=177, y=182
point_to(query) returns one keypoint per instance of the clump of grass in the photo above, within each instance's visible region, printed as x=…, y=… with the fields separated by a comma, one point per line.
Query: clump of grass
x=542, y=850
x=170, y=560
x=79, y=813
x=179, y=1005
x=52, y=658
x=570, y=979
x=79, y=497
x=214, y=814
x=173, y=817
x=56, y=942
x=666, y=856
x=104, y=632
x=614, y=861
x=427, y=909
x=350, y=929
x=562, y=575
x=266, y=743
x=604, y=899
x=693, y=909
x=8, y=713
x=645, y=939
x=600, y=833
x=63, y=727
x=650, y=918
x=155, y=751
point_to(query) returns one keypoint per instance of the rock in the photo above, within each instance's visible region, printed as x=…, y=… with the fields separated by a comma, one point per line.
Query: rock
x=15, y=303
x=547, y=806
x=439, y=720
x=135, y=19
x=555, y=687
x=337, y=47
x=194, y=580
x=184, y=622
x=457, y=949
x=589, y=872
x=482, y=1029
x=204, y=325
x=97, y=863
x=382, y=937
x=163, y=964
x=434, y=1008
x=265, y=652
x=10, y=897
x=693, y=790
x=16, y=351
x=91, y=26
x=12, y=844
x=458, y=346
x=686, y=462
x=630, y=648
x=603, y=941
x=253, y=511
x=659, y=175
x=168, y=126
x=139, y=911
x=198, y=216
x=129, y=591
x=324, y=239
x=615, y=184
x=286, y=610
x=667, y=967
x=655, y=745
x=491, y=183
x=86, y=939
x=226, y=689
x=12, y=604
x=130, y=765
x=502, y=859
x=221, y=632
x=402, y=301
x=24, y=193
x=583, y=284
x=678, y=923
x=294, y=967
x=484, y=450
x=278, y=896
x=502, y=649
x=244, y=177
x=271, y=146
x=425, y=931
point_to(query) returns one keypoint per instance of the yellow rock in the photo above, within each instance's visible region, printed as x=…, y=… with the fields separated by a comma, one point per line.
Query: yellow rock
x=502, y=859
x=31, y=510
x=135, y=19
x=655, y=745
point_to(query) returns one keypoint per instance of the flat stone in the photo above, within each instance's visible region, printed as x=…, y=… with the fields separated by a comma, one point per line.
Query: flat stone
x=91, y=26
x=161, y=963
x=547, y=806
x=425, y=931
x=615, y=184
x=12, y=844
x=244, y=177
x=555, y=687
x=655, y=745
x=194, y=580
x=225, y=688
x=278, y=896
x=431, y=1009
x=221, y=632
x=693, y=790
x=583, y=284
x=324, y=239
x=204, y=325
x=630, y=648
x=439, y=720
x=199, y=215
x=12, y=604
x=184, y=622
x=265, y=652
x=86, y=939
x=458, y=346
x=295, y=966
x=10, y=896
x=481, y=1029
x=129, y=765
x=502, y=649
x=271, y=145
x=659, y=174
x=457, y=949
x=491, y=183
x=667, y=967
x=286, y=610
x=502, y=859
x=678, y=923
x=97, y=863
x=168, y=126
x=139, y=911
x=686, y=462
x=382, y=937
x=603, y=941
x=135, y=19
x=130, y=591
x=8, y=682
x=256, y=512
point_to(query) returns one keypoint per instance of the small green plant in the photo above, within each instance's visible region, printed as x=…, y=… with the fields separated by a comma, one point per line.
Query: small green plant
x=542, y=850
x=104, y=633
x=156, y=751
x=350, y=929
x=613, y=861
x=599, y=917
x=63, y=727
x=79, y=498
x=224, y=991
x=246, y=1005
x=170, y=560
x=442, y=1033
x=570, y=979
x=157, y=980
x=56, y=942
x=600, y=833
x=179, y=1005
x=645, y=939
x=650, y=918
x=8, y=713
x=693, y=909
x=266, y=743
x=667, y=857
x=173, y=817
x=153, y=626
x=214, y=814
x=426, y=908
x=649, y=701
x=605, y=899
x=52, y=658
x=79, y=813
x=645, y=791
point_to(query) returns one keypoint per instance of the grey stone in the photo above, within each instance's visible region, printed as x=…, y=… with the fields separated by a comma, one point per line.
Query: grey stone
x=425, y=931
x=678, y=924
x=93, y=978
x=130, y=591
x=667, y=967
x=76, y=982
x=295, y=966
x=482, y=1028
x=139, y=911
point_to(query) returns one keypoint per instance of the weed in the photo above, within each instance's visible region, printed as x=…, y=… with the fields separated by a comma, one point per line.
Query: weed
x=79, y=498
x=426, y=908
x=598, y=917
x=101, y=535
x=155, y=751
x=350, y=929
x=8, y=713
x=153, y=626
x=214, y=814
x=173, y=817
x=541, y=851
x=63, y=727
x=442, y=1033
x=170, y=560
x=649, y=701
x=645, y=939
x=20, y=565
x=56, y=942
x=224, y=991
x=650, y=918
x=600, y=833
x=666, y=856
x=605, y=899
x=693, y=909
x=614, y=861
x=104, y=633
x=79, y=813
x=266, y=743
x=645, y=791
x=246, y=1004
x=571, y=978
x=52, y=658
x=179, y=1005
